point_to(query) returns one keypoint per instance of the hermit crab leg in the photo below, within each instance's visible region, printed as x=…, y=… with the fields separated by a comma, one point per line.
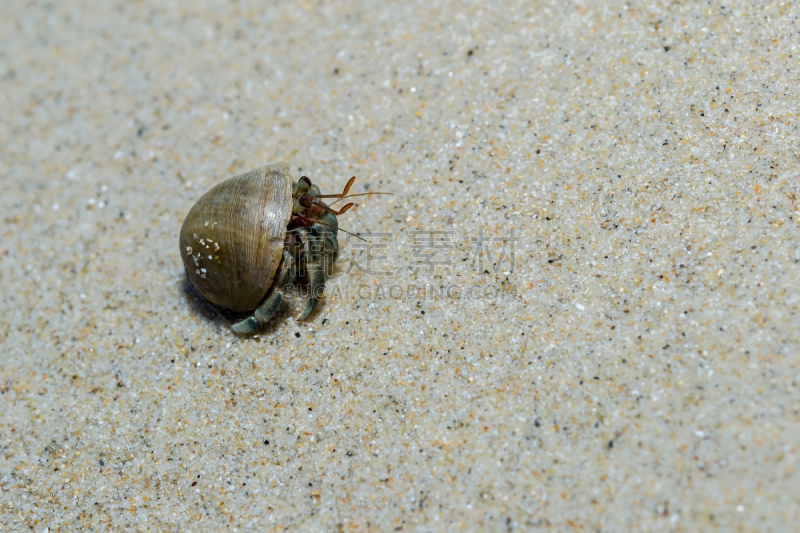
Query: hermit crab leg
x=269, y=307
x=311, y=221
x=312, y=245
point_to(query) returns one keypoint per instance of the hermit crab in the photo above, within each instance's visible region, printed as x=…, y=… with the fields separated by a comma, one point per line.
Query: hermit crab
x=250, y=237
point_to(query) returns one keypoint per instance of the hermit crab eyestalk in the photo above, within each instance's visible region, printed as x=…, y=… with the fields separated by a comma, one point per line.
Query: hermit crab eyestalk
x=306, y=201
x=303, y=184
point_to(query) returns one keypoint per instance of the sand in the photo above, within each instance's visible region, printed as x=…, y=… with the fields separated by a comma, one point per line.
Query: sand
x=579, y=311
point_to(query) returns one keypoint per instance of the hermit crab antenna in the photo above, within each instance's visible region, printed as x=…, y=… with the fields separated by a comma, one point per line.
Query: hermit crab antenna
x=334, y=211
x=342, y=194
x=349, y=184
x=360, y=194
x=345, y=208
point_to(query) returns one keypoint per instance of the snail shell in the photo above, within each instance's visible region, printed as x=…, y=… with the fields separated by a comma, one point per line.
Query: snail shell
x=232, y=239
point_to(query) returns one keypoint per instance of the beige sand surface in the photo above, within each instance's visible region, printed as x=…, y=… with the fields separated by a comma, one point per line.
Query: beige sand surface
x=623, y=355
